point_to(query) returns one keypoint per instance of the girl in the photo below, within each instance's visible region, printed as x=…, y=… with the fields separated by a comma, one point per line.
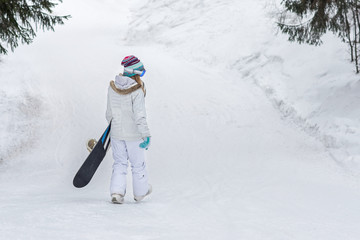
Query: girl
x=130, y=134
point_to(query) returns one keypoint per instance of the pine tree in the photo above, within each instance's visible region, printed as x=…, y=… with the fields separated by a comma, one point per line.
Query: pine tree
x=20, y=19
x=322, y=15
x=316, y=17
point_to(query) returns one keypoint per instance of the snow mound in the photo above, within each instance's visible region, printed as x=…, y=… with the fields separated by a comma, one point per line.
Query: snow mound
x=311, y=87
x=21, y=111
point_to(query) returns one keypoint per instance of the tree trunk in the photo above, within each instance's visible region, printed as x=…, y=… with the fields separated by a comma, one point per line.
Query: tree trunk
x=348, y=35
x=355, y=39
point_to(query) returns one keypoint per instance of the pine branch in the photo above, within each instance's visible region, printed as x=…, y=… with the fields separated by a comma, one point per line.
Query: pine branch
x=19, y=21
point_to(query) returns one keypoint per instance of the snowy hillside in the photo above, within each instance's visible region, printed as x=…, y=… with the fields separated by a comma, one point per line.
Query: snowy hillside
x=253, y=137
x=314, y=87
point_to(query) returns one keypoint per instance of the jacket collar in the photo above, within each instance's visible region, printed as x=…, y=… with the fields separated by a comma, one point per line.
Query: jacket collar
x=124, y=82
x=125, y=91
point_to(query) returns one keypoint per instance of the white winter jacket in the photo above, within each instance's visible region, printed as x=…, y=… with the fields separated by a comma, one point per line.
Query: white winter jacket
x=126, y=109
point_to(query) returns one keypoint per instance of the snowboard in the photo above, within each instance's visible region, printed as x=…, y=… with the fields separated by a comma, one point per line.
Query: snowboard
x=92, y=162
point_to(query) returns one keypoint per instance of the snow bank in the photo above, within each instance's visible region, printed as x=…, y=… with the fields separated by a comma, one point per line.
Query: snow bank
x=21, y=110
x=314, y=88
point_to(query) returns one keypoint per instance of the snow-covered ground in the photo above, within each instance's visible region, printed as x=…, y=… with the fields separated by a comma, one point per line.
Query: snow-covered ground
x=250, y=133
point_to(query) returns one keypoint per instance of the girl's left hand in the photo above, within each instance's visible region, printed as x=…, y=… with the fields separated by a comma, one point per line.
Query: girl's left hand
x=146, y=143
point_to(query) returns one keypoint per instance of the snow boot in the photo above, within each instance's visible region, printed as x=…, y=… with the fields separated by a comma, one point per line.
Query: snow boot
x=117, y=198
x=139, y=198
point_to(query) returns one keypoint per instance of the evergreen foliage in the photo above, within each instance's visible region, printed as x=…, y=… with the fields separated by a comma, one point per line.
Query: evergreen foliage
x=20, y=19
x=316, y=17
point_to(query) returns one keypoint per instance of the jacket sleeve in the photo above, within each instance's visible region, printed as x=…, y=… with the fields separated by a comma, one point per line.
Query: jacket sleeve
x=108, y=109
x=140, y=113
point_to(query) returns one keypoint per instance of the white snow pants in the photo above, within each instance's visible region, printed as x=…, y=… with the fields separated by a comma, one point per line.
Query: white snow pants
x=122, y=152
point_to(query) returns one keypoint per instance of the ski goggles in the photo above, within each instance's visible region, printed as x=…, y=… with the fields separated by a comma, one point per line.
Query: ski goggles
x=132, y=71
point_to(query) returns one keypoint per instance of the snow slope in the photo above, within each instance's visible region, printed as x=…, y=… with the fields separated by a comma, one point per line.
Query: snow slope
x=223, y=161
x=313, y=87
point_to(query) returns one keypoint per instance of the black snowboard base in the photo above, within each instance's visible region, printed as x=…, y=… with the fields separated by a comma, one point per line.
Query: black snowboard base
x=92, y=162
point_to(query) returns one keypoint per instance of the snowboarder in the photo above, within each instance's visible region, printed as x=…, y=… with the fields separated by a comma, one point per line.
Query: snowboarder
x=130, y=135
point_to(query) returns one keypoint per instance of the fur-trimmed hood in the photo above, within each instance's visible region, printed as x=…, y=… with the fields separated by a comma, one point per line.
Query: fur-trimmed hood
x=123, y=82
x=125, y=85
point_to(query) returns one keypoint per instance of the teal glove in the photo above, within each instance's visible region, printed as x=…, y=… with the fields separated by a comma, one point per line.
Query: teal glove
x=146, y=143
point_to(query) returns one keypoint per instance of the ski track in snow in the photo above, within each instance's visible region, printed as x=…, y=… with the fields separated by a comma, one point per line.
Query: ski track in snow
x=223, y=163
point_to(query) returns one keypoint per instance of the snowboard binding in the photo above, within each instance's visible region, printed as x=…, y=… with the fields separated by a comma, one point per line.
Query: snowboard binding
x=91, y=144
